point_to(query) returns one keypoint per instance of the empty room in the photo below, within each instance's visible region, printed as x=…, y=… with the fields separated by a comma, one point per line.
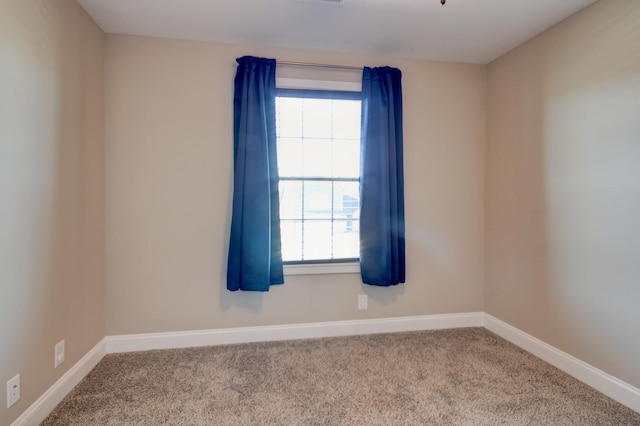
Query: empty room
x=319, y=212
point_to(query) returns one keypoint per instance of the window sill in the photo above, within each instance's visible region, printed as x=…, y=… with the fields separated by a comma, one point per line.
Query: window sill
x=322, y=268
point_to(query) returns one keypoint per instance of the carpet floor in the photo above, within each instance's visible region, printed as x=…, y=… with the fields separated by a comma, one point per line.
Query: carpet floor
x=464, y=376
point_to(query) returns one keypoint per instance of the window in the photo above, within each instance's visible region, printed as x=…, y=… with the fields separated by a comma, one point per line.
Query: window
x=318, y=136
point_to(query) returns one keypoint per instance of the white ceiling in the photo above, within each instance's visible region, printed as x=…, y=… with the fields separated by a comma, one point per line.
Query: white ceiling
x=476, y=31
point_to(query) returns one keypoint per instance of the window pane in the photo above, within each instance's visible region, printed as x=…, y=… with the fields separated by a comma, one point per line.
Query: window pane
x=346, y=158
x=317, y=200
x=346, y=119
x=317, y=239
x=290, y=199
x=317, y=118
x=318, y=139
x=317, y=158
x=346, y=243
x=346, y=200
x=289, y=117
x=290, y=157
x=291, y=234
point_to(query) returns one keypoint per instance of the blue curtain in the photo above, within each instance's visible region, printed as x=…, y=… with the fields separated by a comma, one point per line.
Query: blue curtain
x=255, y=258
x=382, y=231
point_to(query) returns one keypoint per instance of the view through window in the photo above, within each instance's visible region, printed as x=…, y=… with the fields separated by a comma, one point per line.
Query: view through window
x=319, y=167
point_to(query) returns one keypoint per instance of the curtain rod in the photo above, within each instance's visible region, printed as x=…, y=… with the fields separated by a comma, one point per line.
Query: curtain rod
x=311, y=65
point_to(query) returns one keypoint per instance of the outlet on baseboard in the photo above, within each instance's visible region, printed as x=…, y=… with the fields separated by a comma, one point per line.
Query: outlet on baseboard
x=58, y=353
x=13, y=390
x=363, y=301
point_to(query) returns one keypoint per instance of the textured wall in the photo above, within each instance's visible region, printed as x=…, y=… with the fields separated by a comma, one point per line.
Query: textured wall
x=51, y=191
x=563, y=187
x=169, y=180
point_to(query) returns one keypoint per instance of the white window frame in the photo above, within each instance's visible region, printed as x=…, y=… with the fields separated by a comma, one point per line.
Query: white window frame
x=320, y=268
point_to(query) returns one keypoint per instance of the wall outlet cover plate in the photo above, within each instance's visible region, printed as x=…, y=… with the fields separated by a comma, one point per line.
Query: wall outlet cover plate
x=13, y=390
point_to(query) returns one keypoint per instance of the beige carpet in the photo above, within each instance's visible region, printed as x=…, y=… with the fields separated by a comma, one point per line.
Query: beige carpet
x=451, y=377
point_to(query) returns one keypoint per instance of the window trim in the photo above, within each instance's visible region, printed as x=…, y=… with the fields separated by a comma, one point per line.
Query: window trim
x=349, y=267
x=321, y=268
x=300, y=84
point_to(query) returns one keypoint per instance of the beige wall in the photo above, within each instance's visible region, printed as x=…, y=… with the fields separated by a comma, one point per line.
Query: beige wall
x=563, y=187
x=169, y=181
x=51, y=191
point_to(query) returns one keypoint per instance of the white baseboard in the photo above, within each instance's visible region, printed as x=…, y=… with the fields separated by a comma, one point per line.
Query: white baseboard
x=609, y=385
x=41, y=408
x=184, y=339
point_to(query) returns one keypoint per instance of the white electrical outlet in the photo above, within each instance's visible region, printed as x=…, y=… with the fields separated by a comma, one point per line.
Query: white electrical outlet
x=58, y=354
x=13, y=390
x=363, y=301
